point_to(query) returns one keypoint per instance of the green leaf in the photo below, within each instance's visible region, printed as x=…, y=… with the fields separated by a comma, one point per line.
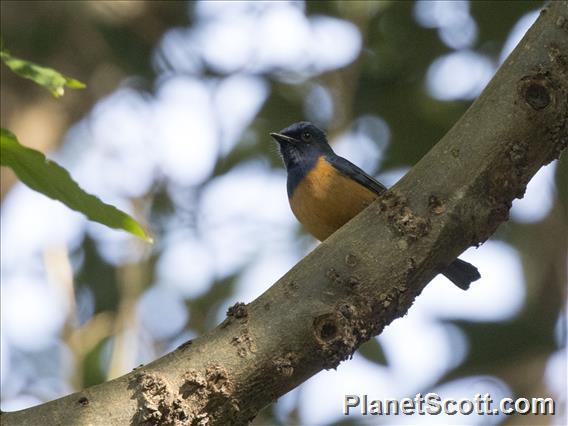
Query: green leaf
x=52, y=80
x=49, y=178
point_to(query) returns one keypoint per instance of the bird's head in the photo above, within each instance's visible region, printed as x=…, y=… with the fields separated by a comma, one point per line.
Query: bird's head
x=301, y=144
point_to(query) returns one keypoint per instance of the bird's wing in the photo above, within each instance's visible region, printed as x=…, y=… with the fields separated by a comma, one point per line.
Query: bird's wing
x=349, y=169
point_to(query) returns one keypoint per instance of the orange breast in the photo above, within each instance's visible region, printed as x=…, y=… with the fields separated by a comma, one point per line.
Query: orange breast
x=325, y=200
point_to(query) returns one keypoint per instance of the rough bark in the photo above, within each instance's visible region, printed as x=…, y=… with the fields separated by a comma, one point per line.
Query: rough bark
x=368, y=273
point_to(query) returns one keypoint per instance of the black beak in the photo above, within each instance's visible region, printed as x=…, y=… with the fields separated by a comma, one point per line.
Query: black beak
x=280, y=138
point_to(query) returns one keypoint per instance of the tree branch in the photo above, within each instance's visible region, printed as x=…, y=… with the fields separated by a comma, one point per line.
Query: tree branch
x=368, y=273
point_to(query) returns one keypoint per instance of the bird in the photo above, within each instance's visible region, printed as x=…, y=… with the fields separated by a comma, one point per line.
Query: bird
x=325, y=190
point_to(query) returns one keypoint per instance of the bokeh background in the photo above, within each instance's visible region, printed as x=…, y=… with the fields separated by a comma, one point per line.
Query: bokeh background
x=173, y=128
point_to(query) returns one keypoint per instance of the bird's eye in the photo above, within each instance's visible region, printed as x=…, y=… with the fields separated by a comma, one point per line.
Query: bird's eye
x=306, y=136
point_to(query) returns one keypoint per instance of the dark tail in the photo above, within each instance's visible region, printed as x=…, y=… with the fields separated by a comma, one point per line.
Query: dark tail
x=461, y=273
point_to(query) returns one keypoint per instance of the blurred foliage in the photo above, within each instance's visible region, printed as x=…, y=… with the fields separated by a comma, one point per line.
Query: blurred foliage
x=387, y=80
x=93, y=371
x=98, y=277
x=373, y=351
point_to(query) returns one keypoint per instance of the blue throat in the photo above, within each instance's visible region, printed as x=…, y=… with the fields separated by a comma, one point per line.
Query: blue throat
x=299, y=170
